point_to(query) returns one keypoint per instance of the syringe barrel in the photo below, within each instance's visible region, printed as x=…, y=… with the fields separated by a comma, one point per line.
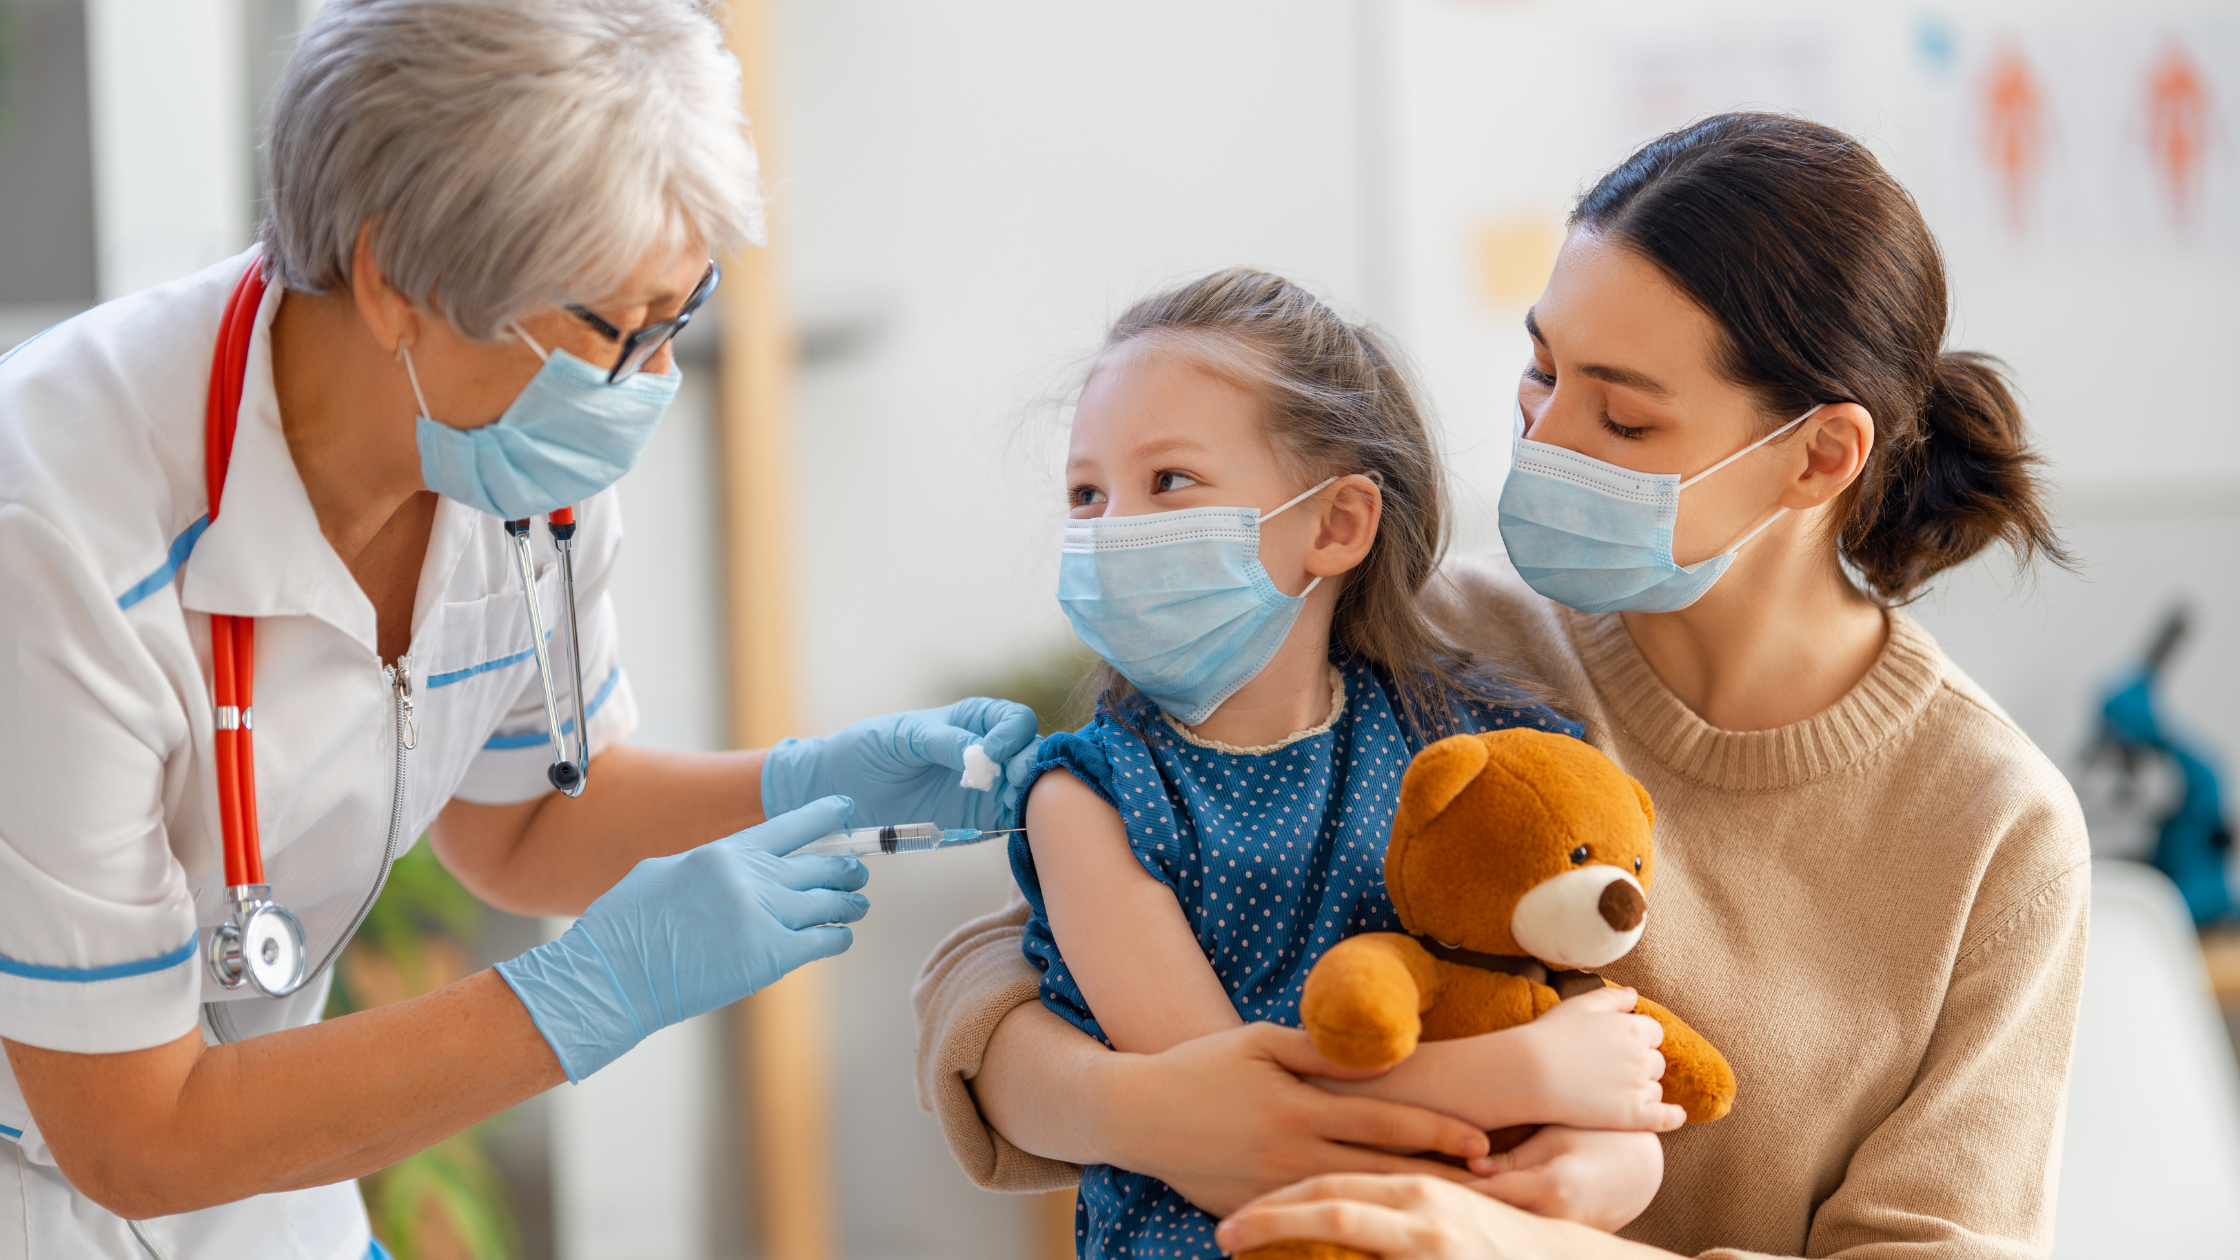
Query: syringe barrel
x=865, y=841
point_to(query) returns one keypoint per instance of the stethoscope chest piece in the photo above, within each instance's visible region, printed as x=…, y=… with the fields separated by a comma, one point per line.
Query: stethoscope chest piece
x=260, y=945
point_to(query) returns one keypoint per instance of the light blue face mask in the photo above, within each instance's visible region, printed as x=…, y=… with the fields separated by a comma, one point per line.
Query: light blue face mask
x=1178, y=601
x=567, y=436
x=1598, y=538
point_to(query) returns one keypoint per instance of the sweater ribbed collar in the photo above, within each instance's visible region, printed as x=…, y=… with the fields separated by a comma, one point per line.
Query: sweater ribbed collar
x=1882, y=706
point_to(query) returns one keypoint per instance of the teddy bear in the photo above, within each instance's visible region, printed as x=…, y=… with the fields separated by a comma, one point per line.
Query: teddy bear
x=1519, y=861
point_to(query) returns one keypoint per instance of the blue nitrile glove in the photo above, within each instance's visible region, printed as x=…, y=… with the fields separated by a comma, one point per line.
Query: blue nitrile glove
x=685, y=934
x=905, y=767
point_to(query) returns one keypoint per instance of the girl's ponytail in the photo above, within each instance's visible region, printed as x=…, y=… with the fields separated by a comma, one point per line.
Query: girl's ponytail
x=1969, y=481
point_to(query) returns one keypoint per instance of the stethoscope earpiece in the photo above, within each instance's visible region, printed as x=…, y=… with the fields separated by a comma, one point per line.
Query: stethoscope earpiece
x=567, y=775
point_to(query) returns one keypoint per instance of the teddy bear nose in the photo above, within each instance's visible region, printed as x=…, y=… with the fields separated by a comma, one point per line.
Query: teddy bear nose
x=1622, y=905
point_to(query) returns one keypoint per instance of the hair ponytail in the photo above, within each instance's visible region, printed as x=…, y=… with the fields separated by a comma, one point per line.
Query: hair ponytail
x=1828, y=287
x=1970, y=480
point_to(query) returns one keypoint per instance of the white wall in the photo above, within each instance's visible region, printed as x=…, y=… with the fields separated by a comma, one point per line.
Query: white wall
x=170, y=125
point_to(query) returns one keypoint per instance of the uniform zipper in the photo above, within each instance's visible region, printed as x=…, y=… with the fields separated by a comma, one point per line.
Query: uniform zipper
x=399, y=677
x=147, y=1244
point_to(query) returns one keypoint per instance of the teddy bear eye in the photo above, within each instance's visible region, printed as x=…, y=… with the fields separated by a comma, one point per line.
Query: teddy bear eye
x=1579, y=855
x=1637, y=866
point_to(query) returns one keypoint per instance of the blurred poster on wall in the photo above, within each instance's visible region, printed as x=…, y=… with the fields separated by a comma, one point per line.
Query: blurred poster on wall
x=2120, y=129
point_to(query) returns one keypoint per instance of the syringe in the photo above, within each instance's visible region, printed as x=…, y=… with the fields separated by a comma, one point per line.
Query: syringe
x=898, y=838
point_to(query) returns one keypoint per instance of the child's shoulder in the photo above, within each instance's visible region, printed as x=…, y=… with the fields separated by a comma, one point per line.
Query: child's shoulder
x=1099, y=754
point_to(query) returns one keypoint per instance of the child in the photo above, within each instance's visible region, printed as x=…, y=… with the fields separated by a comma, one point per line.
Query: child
x=1255, y=505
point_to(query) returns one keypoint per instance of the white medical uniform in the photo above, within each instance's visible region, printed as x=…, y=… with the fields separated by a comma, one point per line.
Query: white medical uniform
x=111, y=875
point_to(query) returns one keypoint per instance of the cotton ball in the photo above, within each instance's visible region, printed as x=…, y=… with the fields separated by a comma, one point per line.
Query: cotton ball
x=980, y=770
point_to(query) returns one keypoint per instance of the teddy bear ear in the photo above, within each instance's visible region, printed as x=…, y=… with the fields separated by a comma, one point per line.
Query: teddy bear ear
x=1648, y=807
x=1438, y=774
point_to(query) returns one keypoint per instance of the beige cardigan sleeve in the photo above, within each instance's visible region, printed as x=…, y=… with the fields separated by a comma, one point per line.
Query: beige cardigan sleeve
x=976, y=976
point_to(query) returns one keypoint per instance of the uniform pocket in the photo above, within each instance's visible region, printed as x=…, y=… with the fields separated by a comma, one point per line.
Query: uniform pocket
x=478, y=679
x=489, y=635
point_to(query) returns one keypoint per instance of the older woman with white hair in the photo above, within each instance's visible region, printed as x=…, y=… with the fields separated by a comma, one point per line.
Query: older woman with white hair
x=279, y=600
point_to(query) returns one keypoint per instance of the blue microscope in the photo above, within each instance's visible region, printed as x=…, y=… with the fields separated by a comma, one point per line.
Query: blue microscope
x=2193, y=842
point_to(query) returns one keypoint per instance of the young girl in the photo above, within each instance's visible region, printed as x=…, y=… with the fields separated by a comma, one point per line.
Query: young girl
x=1255, y=505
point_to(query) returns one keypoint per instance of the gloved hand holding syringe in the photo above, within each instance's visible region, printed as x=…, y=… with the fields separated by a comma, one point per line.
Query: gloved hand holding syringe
x=920, y=837
x=899, y=838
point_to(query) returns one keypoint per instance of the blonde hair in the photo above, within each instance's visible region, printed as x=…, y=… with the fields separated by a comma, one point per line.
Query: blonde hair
x=1337, y=401
x=510, y=154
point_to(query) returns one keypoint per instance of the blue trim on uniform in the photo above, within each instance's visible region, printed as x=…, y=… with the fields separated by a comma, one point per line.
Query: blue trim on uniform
x=461, y=675
x=13, y=1135
x=181, y=548
x=375, y=1251
x=88, y=975
x=531, y=739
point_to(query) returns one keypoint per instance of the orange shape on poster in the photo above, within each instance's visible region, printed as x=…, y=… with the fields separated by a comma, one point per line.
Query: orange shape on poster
x=2014, y=130
x=2178, y=128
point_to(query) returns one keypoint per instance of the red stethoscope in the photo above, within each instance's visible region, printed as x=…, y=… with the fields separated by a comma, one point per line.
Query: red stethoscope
x=261, y=944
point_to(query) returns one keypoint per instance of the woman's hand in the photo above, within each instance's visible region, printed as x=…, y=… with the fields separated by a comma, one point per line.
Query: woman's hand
x=1398, y=1218
x=1226, y=1117
x=905, y=767
x=1592, y=1176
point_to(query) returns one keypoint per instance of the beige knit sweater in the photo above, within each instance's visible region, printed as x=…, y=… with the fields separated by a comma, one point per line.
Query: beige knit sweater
x=1877, y=913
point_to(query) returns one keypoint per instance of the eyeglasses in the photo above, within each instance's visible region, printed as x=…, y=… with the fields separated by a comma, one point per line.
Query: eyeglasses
x=639, y=347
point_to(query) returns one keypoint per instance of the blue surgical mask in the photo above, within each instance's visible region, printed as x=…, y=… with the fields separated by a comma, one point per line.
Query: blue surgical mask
x=567, y=436
x=1178, y=601
x=1598, y=538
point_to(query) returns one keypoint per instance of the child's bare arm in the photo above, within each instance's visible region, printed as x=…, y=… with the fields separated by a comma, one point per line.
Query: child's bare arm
x=1122, y=932
x=1586, y=1063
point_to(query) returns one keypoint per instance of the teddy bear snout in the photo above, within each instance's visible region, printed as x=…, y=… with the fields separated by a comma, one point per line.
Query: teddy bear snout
x=1584, y=918
x=1622, y=905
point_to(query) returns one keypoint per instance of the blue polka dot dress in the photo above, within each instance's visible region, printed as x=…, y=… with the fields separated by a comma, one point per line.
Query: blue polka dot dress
x=1275, y=856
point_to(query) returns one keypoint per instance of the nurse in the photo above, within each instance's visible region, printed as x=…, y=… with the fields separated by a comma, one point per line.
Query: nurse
x=487, y=220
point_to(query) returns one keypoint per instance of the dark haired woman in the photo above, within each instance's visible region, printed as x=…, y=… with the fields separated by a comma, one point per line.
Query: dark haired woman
x=1744, y=446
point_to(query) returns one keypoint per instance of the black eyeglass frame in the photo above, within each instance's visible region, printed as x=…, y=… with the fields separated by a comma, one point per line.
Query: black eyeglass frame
x=644, y=343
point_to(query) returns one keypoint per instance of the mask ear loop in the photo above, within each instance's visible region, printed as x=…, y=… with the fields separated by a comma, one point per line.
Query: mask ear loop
x=404, y=352
x=1778, y=513
x=1753, y=446
x=523, y=333
x=1326, y=484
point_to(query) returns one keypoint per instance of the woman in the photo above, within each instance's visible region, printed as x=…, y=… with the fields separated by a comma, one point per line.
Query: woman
x=1741, y=447
x=488, y=219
